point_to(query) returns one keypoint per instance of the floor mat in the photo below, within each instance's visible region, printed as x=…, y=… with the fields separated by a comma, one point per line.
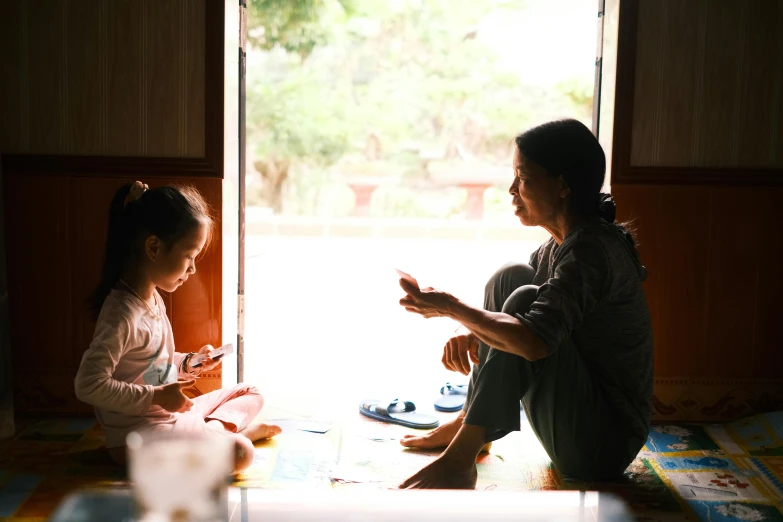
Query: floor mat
x=685, y=472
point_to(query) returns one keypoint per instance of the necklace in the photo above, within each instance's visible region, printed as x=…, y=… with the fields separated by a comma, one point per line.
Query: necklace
x=154, y=314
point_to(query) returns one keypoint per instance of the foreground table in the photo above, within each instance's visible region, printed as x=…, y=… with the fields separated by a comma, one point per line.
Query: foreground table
x=376, y=505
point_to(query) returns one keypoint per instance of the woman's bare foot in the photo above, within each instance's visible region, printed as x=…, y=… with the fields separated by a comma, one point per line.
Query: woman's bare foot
x=440, y=437
x=444, y=473
x=259, y=430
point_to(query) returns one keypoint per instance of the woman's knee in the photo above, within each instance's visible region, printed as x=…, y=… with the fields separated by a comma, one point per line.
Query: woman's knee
x=512, y=275
x=520, y=300
x=504, y=282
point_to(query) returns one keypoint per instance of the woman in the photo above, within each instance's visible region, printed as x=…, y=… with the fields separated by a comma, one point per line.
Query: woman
x=569, y=334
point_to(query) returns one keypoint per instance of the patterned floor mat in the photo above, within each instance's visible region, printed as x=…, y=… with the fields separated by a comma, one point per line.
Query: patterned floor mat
x=685, y=472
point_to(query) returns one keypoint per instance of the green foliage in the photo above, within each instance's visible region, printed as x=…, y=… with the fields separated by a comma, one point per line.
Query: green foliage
x=407, y=80
x=580, y=93
x=294, y=25
x=287, y=119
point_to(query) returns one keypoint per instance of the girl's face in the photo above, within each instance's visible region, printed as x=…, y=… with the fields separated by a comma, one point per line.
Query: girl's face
x=173, y=264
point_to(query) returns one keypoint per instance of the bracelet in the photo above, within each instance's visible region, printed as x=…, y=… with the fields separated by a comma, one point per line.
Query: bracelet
x=195, y=372
x=186, y=363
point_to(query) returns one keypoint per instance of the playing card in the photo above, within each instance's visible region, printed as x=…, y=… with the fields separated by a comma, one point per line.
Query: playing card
x=407, y=277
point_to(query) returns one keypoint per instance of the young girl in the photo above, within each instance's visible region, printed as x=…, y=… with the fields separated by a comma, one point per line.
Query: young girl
x=131, y=373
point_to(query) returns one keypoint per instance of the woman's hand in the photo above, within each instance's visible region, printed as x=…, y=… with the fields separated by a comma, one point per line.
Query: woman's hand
x=459, y=352
x=209, y=363
x=427, y=302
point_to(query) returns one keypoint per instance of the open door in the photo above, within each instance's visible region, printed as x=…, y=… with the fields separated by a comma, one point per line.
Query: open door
x=242, y=72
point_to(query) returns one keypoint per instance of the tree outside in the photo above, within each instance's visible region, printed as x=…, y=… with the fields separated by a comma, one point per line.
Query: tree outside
x=408, y=100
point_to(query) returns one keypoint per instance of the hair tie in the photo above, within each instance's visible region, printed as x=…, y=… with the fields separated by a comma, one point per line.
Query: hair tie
x=136, y=191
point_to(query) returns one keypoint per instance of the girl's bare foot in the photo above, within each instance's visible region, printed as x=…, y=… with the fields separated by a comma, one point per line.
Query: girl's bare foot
x=259, y=430
x=440, y=437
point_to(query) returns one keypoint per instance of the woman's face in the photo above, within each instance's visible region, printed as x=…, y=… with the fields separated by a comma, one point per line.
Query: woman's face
x=538, y=198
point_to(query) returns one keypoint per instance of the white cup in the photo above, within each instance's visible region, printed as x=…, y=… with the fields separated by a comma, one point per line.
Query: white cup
x=180, y=476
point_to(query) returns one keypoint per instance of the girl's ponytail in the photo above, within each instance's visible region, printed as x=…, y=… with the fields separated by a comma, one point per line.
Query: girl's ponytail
x=118, y=248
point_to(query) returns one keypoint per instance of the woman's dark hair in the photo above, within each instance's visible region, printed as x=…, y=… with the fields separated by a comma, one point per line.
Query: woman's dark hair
x=568, y=149
x=169, y=213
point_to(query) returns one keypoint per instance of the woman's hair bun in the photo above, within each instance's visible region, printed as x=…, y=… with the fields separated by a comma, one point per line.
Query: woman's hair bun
x=606, y=207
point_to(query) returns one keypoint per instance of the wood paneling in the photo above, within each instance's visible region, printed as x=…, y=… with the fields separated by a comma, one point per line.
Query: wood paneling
x=707, y=87
x=760, y=85
x=645, y=108
x=194, y=101
x=38, y=264
x=12, y=53
x=765, y=350
x=704, y=79
x=118, y=90
x=713, y=289
x=163, y=79
x=84, y=77
x=44, y=72
x=108, y=78
x=124, y=134
x=734, y=254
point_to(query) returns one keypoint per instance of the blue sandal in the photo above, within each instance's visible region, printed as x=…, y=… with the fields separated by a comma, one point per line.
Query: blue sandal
x=452, y=397
x=397, y=412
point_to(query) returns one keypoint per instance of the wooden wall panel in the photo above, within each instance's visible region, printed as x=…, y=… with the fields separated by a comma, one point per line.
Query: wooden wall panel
x=677, y=141
x=93, y=84
x=11, y=88
x=195, y=95
x=714, y=289
x=718, y=106
x=124, y=88
x=105, y=77
x=645, y=109
x=43, y=70
x=707, y=83
x=760, y=84
x=37, y=238
x=766, y=349
x=84, y=78
x=682, y=281
x=163, y=79
x=734, y=256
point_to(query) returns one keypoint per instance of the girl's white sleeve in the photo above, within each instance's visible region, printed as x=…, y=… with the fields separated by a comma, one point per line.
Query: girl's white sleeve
x=95, y=383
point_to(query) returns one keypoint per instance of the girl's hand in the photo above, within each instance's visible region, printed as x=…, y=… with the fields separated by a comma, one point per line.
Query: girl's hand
x=427, y=302
x=170, y=396
x=209, y=363
x=459, y=352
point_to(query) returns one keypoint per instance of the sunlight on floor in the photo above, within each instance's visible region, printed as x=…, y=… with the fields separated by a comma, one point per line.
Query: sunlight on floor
x=324, y=329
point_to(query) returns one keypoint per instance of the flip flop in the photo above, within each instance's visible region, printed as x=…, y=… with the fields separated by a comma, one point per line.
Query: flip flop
x=452, y=398
x=397, y=412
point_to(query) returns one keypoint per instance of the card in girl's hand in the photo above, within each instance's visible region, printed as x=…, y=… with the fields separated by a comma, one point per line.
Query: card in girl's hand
x=218, y=354
x=407, y=277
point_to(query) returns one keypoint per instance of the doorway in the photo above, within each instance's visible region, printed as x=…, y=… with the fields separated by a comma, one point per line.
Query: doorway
x=379, y=136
